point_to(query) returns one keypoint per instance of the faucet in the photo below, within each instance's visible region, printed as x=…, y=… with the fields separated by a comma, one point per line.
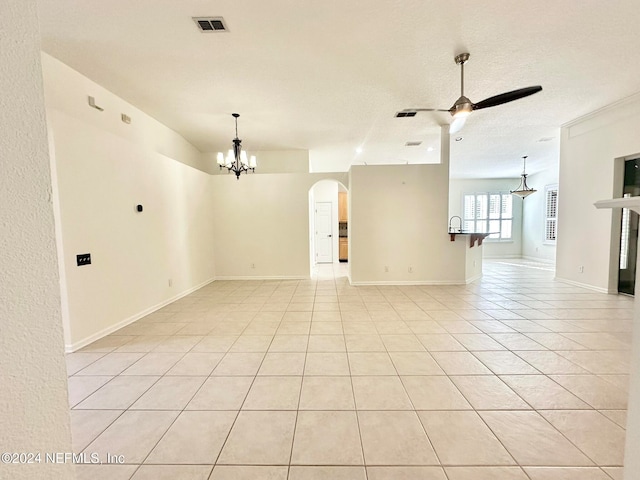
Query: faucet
x=451, y=229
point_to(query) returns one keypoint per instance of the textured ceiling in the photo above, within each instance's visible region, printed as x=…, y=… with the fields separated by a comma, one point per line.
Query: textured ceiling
x=329, y=76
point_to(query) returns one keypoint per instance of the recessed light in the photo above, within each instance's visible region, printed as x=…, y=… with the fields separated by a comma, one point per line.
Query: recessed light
x=430, y=149
x=359, y=150
x=458, y=139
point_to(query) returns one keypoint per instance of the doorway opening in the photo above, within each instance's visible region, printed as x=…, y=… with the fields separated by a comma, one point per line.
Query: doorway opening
x=629, y=230
x=328, y=223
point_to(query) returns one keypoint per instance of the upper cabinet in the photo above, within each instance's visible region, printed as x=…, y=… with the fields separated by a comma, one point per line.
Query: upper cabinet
x=343, y=208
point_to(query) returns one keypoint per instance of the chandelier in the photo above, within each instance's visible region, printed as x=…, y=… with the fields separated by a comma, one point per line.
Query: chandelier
x=523, y=189
x=236, y=160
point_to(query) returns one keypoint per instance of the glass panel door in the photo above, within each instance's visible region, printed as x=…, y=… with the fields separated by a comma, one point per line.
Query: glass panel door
x=629, y=230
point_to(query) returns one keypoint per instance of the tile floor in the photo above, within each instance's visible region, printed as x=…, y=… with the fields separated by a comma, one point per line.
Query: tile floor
x=513, y=377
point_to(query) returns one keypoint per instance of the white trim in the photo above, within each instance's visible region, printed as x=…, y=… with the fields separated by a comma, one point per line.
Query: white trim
x=539, y=259
x=272, y=277
x=473, y=279
x=613, y=107
x=127, y=321
x=584, y=285
x=498, y=257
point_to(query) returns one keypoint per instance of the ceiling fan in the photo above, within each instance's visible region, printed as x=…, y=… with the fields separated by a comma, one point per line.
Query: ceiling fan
x=463, y=107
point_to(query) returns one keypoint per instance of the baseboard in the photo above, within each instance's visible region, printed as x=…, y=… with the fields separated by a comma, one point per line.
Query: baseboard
x=410, y=282
x=584, y=285
x=265, y=277
x=474, y=278
x=498, y=257
x=127, y=321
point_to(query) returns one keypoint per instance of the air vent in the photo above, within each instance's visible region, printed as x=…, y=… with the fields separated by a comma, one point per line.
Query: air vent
x=405, y=114
x=210, y=24
x=412, y=144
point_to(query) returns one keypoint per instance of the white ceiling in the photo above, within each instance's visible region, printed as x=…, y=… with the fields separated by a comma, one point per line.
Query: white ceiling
x=328, y=76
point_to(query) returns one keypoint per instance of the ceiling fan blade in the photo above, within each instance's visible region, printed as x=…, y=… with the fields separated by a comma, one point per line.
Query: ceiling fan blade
x=507, y=97
x=411, y=112
x=457, y=124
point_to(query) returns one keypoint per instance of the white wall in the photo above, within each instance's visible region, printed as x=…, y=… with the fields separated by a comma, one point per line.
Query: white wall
x=104, y=169
x=589, y=148
x=34, y=410
x=269, y=161
x=263, y=220
x=492, y=249
x=398, y=218
x=327, y=191
x=534, y=246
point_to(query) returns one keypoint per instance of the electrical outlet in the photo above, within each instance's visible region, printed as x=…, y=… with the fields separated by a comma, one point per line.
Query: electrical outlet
x=83, y=259
x=410, y=269
x=386, y=269
x=581, y=269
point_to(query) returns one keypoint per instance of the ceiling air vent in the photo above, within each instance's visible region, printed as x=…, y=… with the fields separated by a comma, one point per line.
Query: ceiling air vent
x=210, y=24
x=406, y=114
x=412, y=144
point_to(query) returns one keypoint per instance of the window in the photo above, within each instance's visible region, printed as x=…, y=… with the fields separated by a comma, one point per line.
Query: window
x=489, y=213
x=551, y=215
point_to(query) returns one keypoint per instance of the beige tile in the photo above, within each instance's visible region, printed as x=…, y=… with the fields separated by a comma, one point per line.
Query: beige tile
x=394, y=438
x=197, y=329
x=104, y=472
x=359, y=328
x=488, y=392
x=485, y=473
x=79, y=360
x=593, y=390
x=86, y=425
x=477, y=342
x=326, y=328
x=434, y=393
x=223, y=472
x=614, y=472
x=554, y=341
x=541, y=392
x=194, y=438
x=415, y=363
x=364, y=343
x=80, y=387
x=133, y=434
x=119, y=393
x=251, y=343
x=428, y=326
x=108, y=343
x=371, y=363
x=550, y=363
x=274, y=393
x=405, y=473
x=440, y=343
x=239, y=364
x=171, y=472
x=617, y=416
x=154, y=364
x=289, y=343
x=402, y=343
x=287, y=363
x=460, y=363
x=393, y=328
x=326, y=364
x=559, y=473
x=142, y=343
x=327, y=473
x=326, y=343
x=294, y=328
x=532, y=441
x=215, y=344
x=505, y=363
x=327, y=438
x=598, y=362
x=327, y=393
x=221, y=393
x=517, y=341
x=196, y=364
x=111, y=364
x=462, y=438
x=179, y=343
x=260, y=438
x=597, y=436
x=169, y=393
x=380, y=393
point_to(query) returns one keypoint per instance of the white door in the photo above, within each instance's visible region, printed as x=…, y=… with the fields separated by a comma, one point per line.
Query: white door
x=324, y=233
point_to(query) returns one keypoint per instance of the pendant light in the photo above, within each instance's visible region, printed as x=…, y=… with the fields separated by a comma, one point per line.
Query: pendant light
x=523, y=189
x=236, y=160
